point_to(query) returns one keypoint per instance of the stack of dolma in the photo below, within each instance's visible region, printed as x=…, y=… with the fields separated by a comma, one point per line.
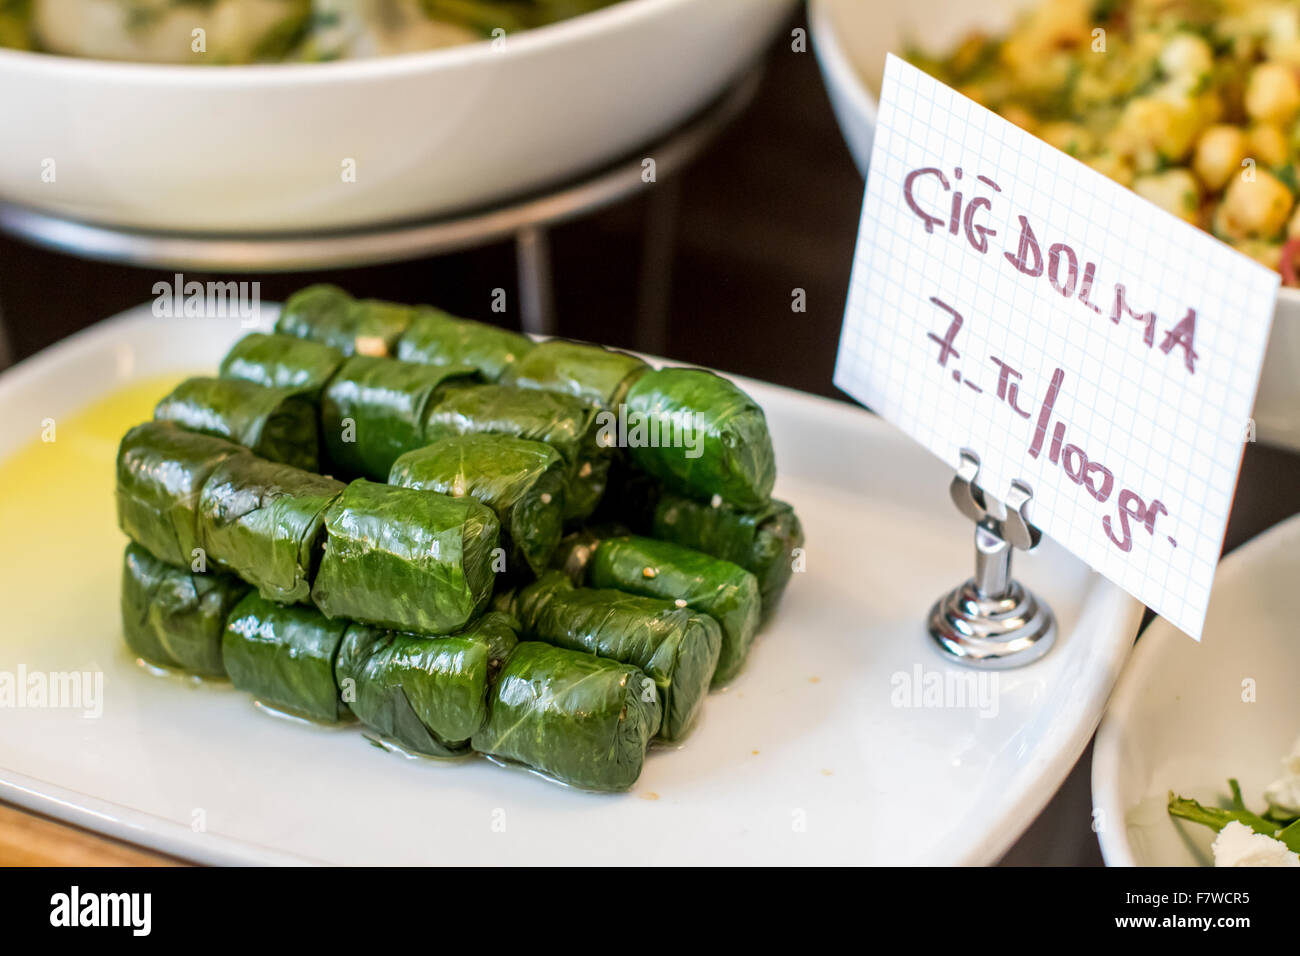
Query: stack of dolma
x=364, y=517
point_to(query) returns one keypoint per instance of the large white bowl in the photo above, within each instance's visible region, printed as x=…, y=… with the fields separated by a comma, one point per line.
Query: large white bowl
x=851, y=38
x=1178, y=721
x=262, y=148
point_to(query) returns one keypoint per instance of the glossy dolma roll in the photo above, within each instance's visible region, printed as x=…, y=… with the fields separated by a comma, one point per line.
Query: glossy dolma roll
x=560, y=421
x=675, y=646
x=373, y=411
x=565, y=423
x=406, y=560
x=579, y=719
x=266, y=522
x=436, y=338
x=161, y=469
x=282, y=361
x=725, y=591
x=327, y=314
x=278, y=424
x=173, y=617
x=596, y=375
x=283, y=654
x=522, y=481
x=701, y=436
x=761, y=541
x=429, y=694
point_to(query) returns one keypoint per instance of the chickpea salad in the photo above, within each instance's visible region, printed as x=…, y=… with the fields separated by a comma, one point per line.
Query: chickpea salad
x=1192, y=104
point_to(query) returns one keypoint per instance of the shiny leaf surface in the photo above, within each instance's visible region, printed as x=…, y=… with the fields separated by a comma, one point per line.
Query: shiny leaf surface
x=277, y=423
x=522, y=481
x=373, y=411
x=596, y=375
x=580, y=719
x=283, y=654
x=266, y=522
x=429, y=694
x=761, y=541
x=436, y=338
x=723, y=590
x=405, y=559
x=701, y=435
x=565, y=423
x=161, y=469
x=327, y=314
x=676, y=647
x=175, y=618
x=282, y=361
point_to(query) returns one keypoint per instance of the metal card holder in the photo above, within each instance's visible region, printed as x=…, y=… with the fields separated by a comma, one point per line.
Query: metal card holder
x=991, y=621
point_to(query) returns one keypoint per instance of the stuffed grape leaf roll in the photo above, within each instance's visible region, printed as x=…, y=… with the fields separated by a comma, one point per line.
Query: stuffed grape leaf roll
x=374, y=409
x=173, y=617
x=405, y=559
x=284, y=654
x=579, y=719
x=763, y=541
x=565, y=423
x=161, y=469
x=701, y=435
x=522, y=481
x=676, y=647
x=278, y=424
x=436, y=338
x=429, y=694
x=596, y=375
x=725, y=591
x=282, y=361
x=266, y=522
x=327, y=314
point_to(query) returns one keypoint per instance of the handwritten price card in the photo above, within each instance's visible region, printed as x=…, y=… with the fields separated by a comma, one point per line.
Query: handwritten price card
x=1007, y=298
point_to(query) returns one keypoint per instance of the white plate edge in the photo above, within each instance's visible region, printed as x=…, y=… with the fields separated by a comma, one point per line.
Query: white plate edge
x=1030, y=784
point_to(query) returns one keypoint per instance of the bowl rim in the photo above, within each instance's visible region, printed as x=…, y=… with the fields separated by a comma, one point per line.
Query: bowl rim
x=35, y=65
x=826, y=44
x=1110, y=743
x=837, y=67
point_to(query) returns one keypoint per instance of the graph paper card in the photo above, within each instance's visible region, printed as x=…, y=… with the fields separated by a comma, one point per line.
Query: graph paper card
x=1009, y=299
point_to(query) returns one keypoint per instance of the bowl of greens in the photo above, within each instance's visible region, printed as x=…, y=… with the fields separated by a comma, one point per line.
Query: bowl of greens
x=258, y=116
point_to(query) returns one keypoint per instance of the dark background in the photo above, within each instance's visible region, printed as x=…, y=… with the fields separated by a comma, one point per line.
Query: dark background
x=772, y=206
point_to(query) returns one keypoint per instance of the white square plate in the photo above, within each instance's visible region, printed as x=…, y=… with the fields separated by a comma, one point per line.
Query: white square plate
x=809, y=757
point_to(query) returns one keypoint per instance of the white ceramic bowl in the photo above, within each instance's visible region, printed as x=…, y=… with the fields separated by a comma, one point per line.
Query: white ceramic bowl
x=851, y=38
x=262, y=148
x=1177, y=719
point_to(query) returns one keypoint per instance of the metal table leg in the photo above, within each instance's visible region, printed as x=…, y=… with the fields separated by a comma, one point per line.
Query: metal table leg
x=654, y=300
x=6, y=345
x=536, y=300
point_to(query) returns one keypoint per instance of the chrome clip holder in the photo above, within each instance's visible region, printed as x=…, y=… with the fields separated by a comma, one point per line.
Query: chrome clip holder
x=991, y=621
